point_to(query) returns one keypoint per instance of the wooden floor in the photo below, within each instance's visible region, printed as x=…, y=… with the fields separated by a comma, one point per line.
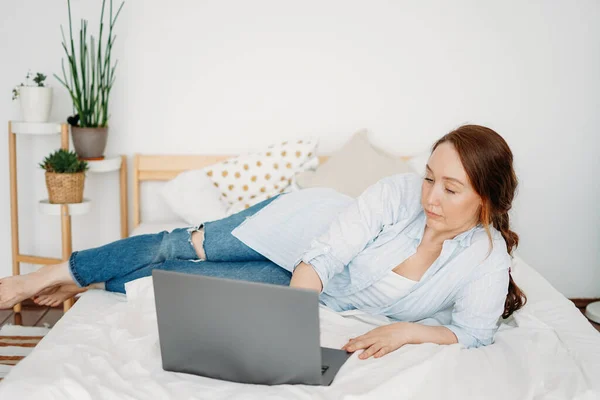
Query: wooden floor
x=33, y=315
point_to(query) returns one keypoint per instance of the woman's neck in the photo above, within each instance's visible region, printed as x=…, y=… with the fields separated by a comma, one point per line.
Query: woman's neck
x=437, y=237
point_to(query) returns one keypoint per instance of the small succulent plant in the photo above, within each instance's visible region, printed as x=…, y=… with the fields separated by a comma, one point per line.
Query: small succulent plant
x=64, y=162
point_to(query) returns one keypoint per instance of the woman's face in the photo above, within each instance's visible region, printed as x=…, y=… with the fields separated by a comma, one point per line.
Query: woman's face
x=450, y=202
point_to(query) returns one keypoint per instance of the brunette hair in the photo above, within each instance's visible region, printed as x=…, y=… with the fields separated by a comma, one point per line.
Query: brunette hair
x=488, y=162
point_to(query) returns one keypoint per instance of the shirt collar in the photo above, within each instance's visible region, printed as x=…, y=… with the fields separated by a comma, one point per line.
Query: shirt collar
x=416, y=230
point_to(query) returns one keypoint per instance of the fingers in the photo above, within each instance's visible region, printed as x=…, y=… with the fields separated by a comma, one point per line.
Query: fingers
x=351, y=342
x=354, y=341
x=375, y=348
x=344, y=347
x=360, y=344
x=382, y=352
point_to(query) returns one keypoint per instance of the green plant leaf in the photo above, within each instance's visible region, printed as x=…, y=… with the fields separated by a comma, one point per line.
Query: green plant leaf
x=64, y=162
x=39, y=79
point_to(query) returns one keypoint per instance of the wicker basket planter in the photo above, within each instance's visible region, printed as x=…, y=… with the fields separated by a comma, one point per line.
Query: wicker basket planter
x=65, y=188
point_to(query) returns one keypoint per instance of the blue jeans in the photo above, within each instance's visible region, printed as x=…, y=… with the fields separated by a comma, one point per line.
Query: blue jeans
x=135, y=257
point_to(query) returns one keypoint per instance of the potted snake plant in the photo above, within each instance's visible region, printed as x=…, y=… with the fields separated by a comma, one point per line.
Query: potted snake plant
x=89, y=80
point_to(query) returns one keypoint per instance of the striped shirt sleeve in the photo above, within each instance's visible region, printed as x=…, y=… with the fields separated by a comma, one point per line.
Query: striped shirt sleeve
x=478, y=307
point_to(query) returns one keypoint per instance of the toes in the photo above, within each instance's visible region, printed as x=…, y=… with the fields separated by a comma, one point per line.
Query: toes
x=48, y=301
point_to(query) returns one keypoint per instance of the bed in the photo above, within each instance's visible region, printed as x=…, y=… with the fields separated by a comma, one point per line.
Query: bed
x=106, y=346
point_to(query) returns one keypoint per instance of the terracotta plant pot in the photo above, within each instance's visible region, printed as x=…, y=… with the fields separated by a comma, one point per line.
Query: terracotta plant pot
x=65, y=188
x=89, y=143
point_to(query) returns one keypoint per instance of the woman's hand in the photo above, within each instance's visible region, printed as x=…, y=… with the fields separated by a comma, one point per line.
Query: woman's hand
x=305, y=277
x=380, y=341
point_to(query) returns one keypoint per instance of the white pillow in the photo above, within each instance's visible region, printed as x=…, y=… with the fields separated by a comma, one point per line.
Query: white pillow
x=194, y=198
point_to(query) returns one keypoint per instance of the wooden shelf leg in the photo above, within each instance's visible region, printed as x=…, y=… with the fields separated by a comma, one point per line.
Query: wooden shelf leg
x=64, y=136
x=14, y=207
x=67, y=246
x=123, y=192
x=136, y=191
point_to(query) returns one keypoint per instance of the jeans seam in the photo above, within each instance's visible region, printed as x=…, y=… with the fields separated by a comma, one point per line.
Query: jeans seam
x=76, y=276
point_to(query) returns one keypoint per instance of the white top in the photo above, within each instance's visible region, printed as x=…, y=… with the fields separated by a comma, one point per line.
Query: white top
x=382, y=293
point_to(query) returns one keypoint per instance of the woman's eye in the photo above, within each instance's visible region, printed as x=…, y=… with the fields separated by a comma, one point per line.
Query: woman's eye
x=429, y=180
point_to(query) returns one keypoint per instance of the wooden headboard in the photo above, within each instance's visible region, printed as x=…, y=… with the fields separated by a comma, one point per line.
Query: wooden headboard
x=167, y=167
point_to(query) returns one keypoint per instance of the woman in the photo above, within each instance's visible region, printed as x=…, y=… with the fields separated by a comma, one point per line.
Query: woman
x=433, y=250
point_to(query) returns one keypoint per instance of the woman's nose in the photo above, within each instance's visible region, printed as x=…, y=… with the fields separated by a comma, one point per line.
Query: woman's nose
x=433, y=197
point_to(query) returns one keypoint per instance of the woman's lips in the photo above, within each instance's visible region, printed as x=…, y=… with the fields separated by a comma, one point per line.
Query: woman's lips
x=432, y=215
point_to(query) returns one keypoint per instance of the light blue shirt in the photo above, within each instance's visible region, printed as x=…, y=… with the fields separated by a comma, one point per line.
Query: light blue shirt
x=353, y=243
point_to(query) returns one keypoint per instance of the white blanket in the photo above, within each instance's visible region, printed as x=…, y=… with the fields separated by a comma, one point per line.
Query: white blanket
x=107, y=347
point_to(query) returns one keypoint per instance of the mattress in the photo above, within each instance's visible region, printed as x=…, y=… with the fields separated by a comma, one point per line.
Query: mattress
x=106, y=347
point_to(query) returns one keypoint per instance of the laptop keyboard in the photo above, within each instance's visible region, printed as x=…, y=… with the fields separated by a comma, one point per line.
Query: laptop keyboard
x=324, y=368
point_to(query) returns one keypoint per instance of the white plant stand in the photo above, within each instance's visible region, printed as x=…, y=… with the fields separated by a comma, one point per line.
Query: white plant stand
x=73, y=209
x=65, y=211
x=592, y=312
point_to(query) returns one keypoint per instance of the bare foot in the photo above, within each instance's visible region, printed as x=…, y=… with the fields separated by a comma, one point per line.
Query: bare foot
x=48, y=290
x=14, y=289
x=58, y=295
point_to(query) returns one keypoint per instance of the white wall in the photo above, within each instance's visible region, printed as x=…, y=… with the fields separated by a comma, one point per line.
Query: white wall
x=216, y=77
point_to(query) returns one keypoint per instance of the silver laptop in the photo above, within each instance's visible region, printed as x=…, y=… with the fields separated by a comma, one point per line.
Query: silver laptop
x=241, y=331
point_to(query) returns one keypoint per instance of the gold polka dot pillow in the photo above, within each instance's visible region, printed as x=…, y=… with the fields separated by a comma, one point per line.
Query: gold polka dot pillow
x=249, y=179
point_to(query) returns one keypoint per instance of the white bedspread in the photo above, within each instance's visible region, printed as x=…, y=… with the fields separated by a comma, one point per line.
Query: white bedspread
x=106, y=347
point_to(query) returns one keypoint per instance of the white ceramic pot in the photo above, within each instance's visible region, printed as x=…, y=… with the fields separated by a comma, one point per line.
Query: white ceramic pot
x=36, y=103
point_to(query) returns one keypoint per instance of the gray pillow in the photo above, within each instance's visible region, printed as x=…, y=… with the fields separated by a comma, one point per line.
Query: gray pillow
x=353, y=168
